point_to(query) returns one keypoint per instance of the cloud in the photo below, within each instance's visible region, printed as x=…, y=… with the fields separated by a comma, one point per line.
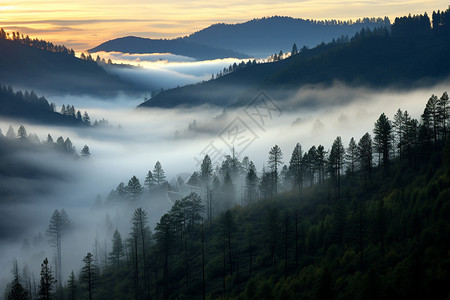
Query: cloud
x=163, y=70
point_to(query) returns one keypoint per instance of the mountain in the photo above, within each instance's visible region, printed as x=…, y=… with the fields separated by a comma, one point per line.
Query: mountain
x=375, y=58
x=31, y=108
x=265, y=36
x=132, y=44
x=34, y=67
x=381, y=231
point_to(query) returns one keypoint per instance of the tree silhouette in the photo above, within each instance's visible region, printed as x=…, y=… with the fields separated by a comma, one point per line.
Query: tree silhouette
x=251, y=183
x=86, y=119
x=206, y=172
x=85, y=152
x=134, y=188
x=294, y=49
x=351, y=157
x=158, y=174
x=164, y=236
x=58, y=227
x=295, y=166
x=10, y=133
x=72, y=287
x=336, y=160
x=365, y=156
x=88, y=273
x=47, y=281
x=22, y=133
x=16, y=291
x=140, y=230
x=149, y=180
x=383, y=139
x=117, y=251
x=275, y=157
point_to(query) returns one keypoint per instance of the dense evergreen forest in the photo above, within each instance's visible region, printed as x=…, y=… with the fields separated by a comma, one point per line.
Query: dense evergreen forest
x=366, y=221
x=29, y=107
x=409, y=52
x=43, y=66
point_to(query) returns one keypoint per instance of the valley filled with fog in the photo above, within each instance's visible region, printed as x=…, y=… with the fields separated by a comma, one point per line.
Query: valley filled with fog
x=137, y=138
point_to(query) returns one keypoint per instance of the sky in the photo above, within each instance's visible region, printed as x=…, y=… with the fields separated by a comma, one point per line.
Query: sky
x=83, y=24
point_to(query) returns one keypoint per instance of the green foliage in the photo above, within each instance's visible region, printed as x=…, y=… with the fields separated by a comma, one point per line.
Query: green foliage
x=382, y=235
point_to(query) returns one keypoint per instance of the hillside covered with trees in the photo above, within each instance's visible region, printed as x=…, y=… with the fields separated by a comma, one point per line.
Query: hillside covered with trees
x=378, y=58
x=36, y=64
x=264, y=36
x=27, y=106
x=365, y=221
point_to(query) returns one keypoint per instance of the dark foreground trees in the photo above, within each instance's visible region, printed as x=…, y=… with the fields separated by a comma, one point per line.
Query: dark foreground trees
x=47, y=282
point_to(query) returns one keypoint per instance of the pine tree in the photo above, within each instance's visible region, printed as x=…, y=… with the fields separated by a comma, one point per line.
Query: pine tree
x=58, y=227
x=295, y=166
x=22, y=133
x=365, y=157
x=10, y=133
x=121, y=190
x=158, y=174
x=251, y=183
x=336, y=161
x=149, y=180
x=86, y=119
x=47, y=282
x=398, y=128
x=206, y=172
x=16, y=290
x=117, y=251
x=140, y=228
x=134, y=188
x=294, y=49
x=85, y=152
x=164, y=236
x=444, y=112
x=229, y=190
x=431, y=118
x=275, y=157
x=72, y=287
x=68, y=146
x=351, y=157
x=383, y=139
x=88, y=273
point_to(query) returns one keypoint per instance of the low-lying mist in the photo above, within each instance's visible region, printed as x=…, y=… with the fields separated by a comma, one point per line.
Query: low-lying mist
x=154, y=71
x=137, y=139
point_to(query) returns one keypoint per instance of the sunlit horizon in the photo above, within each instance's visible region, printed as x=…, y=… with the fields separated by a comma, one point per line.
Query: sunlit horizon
x=82, y=25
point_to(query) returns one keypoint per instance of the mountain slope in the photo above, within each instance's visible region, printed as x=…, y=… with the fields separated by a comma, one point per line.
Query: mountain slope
x=132, y=44
x=262, y=37
x=225, y=90
x=31, y=108
x=372, y=59
x=28, y=67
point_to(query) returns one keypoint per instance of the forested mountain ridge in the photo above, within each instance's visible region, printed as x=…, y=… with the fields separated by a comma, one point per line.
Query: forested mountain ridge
x=27, y=106
x=255, y=38
x=39, y=65
x=132, y=44
x=262, y=37
x=412, y=53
